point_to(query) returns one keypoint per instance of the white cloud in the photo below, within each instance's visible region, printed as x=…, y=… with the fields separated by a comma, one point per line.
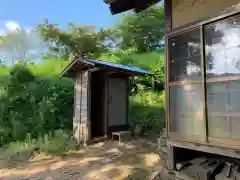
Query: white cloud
x=27, y=38
x=11, y=26
x=225, y=53
x=28, y=29
x=2, y=32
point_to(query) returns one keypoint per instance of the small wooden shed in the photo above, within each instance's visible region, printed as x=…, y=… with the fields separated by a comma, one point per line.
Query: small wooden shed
x=101, y=97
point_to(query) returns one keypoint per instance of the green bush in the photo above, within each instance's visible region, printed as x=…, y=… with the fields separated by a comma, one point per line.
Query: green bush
x=147, y=108
x=33, y=104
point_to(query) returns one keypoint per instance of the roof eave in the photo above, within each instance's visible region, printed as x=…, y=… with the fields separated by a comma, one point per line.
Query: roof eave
x=119, y=6
x=72, y=63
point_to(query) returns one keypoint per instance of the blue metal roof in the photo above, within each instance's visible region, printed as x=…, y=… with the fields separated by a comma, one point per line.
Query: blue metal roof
x=120, y=66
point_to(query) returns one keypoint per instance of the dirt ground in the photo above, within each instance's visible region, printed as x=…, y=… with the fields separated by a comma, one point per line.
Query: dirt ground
x=133, y=160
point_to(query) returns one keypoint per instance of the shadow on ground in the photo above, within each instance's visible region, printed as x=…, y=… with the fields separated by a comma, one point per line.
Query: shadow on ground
x=106, y=160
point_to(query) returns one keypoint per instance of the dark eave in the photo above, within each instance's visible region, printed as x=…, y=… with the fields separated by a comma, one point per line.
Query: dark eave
x=119, y=6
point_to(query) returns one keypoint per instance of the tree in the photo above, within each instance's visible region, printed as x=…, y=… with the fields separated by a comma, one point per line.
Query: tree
x=77, y=41
x=20, y=45
x=144, y=30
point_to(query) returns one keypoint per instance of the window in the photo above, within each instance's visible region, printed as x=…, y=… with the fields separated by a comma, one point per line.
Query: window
x=186, y=110
x=222, y=47
x=184, y=56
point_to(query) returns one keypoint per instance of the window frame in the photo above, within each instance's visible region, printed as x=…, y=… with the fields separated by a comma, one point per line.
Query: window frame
x=177, y=135
x=204, y=81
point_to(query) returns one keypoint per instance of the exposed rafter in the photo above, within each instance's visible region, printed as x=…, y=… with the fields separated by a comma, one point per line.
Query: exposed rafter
x=119, y=6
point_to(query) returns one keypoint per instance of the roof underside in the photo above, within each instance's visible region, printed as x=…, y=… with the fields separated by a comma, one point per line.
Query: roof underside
x=119, y=6
x=79, y=65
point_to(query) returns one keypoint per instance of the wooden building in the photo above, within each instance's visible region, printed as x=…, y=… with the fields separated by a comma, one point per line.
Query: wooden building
x=101, y=97
x=202, y=76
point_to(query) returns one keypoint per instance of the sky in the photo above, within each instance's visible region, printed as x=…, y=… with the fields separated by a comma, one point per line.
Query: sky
x=29, y=13
x=26, y=14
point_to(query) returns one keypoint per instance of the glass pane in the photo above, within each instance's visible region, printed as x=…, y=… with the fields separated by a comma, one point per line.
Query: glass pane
x=234, y=96
x=218, y=127
x=234, y=109
x=223, y=60
x=217, y=98
x=222, y=48
x=217, y=106
x=235, y=127
x=186, y=109
x=184, y=56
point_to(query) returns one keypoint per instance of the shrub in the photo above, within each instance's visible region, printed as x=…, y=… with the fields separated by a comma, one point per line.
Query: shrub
x=33, y=104
x=147, y=108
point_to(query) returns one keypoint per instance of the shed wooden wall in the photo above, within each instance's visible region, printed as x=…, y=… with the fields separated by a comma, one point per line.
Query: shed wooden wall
x=81, y=121
x=187, y=11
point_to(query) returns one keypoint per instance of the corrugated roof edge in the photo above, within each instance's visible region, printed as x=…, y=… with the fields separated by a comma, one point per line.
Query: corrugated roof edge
x=93, y=62
x=120, y=66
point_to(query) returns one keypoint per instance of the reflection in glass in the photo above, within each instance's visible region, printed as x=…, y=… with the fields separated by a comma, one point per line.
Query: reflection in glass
x=185, y=100
x=222, y=48
x=217, y=106
x=186, y=109
x=234, y=96
x=184, y=56
x=235, y=127
x=217, y=98
x=219, y=127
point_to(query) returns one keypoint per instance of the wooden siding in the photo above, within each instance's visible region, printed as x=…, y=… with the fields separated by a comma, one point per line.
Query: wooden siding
x=188, y=11
x=81, y=121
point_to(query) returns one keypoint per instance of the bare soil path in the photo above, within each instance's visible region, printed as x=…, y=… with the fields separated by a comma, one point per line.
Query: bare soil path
x=133, y=160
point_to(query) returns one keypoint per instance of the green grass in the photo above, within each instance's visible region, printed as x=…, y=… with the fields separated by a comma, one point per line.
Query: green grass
x=147, y=108
x=150, y=60
x=48, y=68
x=56, y=143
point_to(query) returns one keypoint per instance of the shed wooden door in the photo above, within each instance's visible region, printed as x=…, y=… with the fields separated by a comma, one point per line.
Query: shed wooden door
x=117, y=102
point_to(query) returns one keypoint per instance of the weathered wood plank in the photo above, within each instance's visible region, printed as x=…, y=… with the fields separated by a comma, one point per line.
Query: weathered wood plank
x=80, y=121
x=205, y=148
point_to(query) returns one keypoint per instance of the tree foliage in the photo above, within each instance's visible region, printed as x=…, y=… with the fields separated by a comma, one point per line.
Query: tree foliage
x=20, y=46
x=31, y=104
x=78, y=41
x=144, y=30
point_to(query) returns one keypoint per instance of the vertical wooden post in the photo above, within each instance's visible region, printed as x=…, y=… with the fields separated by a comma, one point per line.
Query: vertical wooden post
x=204, y=96
x=106, y=96
x=89, y=89
x=85, y=134
x=168, y=27
x=171, y=158
x=77, y=109
x=127, y=100
x=168, y=15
